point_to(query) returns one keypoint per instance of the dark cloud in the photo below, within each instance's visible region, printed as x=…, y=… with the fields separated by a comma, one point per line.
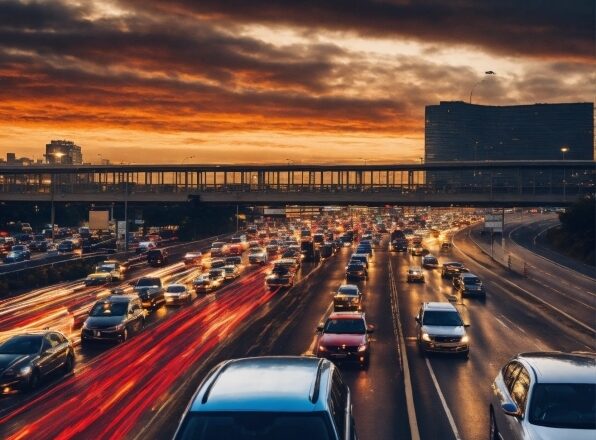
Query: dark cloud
x=542, y=28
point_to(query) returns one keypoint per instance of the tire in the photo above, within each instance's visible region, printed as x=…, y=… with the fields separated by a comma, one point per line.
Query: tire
x=493, y=432
x=69, y=363
x=33, y=382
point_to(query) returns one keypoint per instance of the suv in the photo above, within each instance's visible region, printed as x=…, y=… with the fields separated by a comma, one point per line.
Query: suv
x=440, y=328
x=151, y=292
x=344, y=337
x=544, y=395
x=113, y=319
x=468, y=284
x=157, y=257
x=281, y=398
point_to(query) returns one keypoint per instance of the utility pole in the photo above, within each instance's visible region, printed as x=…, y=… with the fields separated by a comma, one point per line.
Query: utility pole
x=52, y=210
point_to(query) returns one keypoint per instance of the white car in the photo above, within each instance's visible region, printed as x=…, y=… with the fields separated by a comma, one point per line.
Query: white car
x=440, y=329
x=546, y=396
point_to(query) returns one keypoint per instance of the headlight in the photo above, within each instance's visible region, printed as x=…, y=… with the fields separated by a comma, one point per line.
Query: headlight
x=322, y=348
x=465, y=339
x=25, y=370
x=362, y=347
x=85, y=326
x=426, y=337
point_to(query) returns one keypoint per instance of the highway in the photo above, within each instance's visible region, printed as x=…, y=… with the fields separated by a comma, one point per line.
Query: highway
x=140, y=388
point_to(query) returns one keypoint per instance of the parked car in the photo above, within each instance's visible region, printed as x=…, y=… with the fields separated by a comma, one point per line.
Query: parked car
x=468, y=284
x=544, y=395
x=344, y=338
x=150, y=291
x=348, y=297
x=28, y=358
x=114, y=319
x=176, y=294
x=415, y=273
x=281, y=398
x=440, y=329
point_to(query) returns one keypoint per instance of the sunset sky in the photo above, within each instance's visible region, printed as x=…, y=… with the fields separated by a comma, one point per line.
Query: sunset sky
x=226, y=81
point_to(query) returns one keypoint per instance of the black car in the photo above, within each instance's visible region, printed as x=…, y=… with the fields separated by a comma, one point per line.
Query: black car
x=452, y=269
x=66, y=246
x=468, y=284
x=15, y=257
x=26, y=359
x=157, y=257
x=356, y=270
x=39, y=243
x=151, y=292
x=114, y=318
x=326, y=250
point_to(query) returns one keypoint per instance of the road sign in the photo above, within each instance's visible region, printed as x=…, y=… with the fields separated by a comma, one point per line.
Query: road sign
x=494, y=222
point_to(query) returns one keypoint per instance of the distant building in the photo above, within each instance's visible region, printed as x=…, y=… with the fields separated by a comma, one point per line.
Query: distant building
x=458, y=131
x=63, y=152
x=11, y=158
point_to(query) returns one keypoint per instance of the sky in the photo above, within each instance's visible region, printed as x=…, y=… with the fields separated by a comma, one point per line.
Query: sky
x=312, y=81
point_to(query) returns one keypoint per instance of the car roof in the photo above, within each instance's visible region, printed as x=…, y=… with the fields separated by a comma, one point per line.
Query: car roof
x=116, y=298
x=280, y=384
x=559, y=367
x=468, y=275
x=439, y=306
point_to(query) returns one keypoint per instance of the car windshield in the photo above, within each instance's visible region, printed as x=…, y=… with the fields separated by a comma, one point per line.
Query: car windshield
x=348, y=291
x=104, y=269
x=565, y=405
x=176, y=289
x=214, y=273
x=254, y=425
x=449, y=319
x=218, y=244
x=147, y=282
x=454, y=264
x=431, y=260
x=109, y=309
x=345, y=326
x=471, y=280
x=355, y=267
x=26, y=344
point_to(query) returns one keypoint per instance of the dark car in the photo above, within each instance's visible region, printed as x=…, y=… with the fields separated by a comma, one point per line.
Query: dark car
x=114, y=318
x=157, y=257
x=26, y=359
x=281, y=276
x=452, y=269
x=430, y=262
x=356, y=270
x=150, y=291
x=344, y=338
x=39, y=243
x=66, y=246
x=235, y=260
x=15, y=257
x=326, y=250
x=468, y=284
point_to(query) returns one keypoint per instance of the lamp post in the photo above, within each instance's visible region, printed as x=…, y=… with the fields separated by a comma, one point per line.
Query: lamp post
x=488, y=72
x=564, y=150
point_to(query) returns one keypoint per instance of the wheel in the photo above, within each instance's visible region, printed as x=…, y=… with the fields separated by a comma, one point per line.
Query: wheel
x=33, y=380
x=69, y=363
x=493, y=432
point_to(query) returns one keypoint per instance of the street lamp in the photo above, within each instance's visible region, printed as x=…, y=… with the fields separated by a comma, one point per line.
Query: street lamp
x=488, y=72
x=564, y=150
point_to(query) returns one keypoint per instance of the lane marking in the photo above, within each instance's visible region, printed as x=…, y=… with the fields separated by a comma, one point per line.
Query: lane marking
x=403, y=357
x=443, y=402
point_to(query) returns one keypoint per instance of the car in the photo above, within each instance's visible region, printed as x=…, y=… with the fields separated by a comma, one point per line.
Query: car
x=236, y=249
x=544, y=395
x=362, y=258
x=235, y=260
x=177, y=294
x=290, y=263
x=326, y=250
x=219, y=249
x=98, y=279
x=66, y=246
x=114, y=319
x=15, y=257
x=452, y=268
x=113, y=267
x=39, y=243
x=257, y=256
x=468, y=284
x=281, y=276
x=28, y=358
x=145, y=246
x=157, y=257
x=272, y=249
x=356, y=270
x=430, y=262
x=415, y=273
x=231, y=272
x=344, y=338
x=348, y=297
x=417, y=250
x=218, y=272
x=150, y=291
x=193, y=259
x=281, y=398
x=445, y=246
x=364, y=248
x=440, y=329
x=217, y=263
x=241, y=241
x=206, y=283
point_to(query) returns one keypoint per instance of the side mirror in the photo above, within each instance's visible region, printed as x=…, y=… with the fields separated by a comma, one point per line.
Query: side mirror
x=511, y=409
x=370, y=328
x=320, y=327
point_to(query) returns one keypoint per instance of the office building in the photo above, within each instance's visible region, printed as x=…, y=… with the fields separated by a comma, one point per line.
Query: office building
x=63, y=152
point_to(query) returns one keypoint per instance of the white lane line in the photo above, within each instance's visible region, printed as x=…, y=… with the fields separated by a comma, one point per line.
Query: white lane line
x=502, y=323
x=311, y=349
x=403, y=357
x=443, y=402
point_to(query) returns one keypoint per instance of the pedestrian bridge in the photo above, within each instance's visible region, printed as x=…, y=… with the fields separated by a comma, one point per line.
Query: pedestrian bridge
x=486, y=183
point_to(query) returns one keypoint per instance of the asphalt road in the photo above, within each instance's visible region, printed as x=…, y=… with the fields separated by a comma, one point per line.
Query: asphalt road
x=140, y=388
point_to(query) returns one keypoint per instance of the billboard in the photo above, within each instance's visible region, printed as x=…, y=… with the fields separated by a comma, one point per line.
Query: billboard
x=99, y=220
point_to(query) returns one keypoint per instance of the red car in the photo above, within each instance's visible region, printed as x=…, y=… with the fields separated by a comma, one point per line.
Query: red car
x=344, y=338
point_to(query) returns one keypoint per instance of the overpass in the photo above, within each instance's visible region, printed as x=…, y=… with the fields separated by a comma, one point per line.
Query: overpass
x=478, y=183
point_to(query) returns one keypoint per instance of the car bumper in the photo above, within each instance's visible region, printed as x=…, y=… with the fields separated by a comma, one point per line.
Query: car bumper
x=347, y=357
x=176, y=300
x=445, y=347
x=346, y=307
x=101, y=335
x=415, y=278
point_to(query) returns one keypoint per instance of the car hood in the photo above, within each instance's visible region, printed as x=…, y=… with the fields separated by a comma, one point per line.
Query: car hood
x=441, y=330
x=347, y=339
x=545, y=433
x=12, y=360
x=103, y=321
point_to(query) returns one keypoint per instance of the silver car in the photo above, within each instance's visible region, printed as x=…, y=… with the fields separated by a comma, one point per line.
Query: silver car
x=440, y=329
x=547, y=396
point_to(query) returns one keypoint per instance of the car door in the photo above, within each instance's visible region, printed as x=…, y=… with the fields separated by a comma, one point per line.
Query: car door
x=62, y=348
x=50, y=354
x=517, y=382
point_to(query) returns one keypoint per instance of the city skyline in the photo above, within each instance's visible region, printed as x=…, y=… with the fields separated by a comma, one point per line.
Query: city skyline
x=318, y=83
